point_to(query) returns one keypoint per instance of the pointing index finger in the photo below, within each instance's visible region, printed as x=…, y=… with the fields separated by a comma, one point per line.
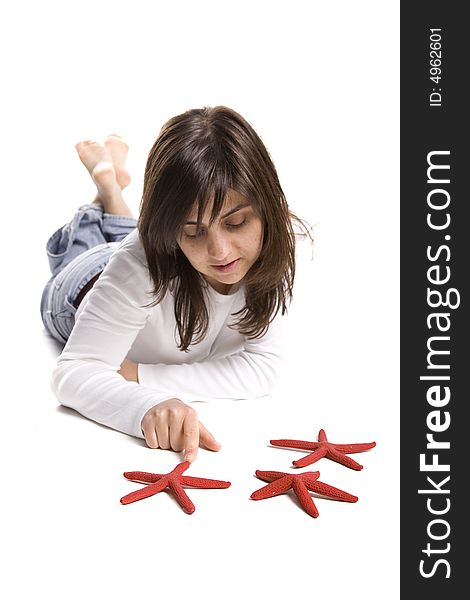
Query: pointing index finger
x=191, y=436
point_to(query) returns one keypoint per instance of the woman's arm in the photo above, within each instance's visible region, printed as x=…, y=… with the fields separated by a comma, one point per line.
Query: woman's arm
x=249, y=373
x=86, y=377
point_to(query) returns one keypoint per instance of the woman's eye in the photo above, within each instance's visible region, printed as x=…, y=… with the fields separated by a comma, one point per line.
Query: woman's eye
x=235, y=225
x=194, y=234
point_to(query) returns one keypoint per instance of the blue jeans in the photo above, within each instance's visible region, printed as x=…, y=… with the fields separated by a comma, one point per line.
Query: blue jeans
x=77, y=252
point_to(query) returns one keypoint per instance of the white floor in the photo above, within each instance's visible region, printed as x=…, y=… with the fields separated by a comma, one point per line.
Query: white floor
x=64, y=532
x=67, y=534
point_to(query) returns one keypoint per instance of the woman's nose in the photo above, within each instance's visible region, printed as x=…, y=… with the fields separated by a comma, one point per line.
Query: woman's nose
x=218, y=246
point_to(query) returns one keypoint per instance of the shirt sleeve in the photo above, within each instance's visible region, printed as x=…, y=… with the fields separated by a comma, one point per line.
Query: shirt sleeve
x=249, y=373
x=86, y=377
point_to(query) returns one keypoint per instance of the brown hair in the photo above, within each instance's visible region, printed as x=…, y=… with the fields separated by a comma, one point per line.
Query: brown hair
x=201, y=155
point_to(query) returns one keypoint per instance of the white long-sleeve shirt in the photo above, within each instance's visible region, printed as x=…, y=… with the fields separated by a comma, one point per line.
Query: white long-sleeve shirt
x=113, y=323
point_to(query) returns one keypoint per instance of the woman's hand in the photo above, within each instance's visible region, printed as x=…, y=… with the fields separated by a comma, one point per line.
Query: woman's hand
x=129, y=370
x=173, y=424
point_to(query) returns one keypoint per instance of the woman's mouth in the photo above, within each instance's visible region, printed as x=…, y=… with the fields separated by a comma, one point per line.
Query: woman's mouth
x=227, y=268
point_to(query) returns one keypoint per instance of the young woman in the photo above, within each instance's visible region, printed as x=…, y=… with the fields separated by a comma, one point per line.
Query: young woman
x=185, y=304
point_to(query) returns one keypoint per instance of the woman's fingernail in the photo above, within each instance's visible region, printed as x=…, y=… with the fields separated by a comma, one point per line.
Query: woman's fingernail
x=189, y=457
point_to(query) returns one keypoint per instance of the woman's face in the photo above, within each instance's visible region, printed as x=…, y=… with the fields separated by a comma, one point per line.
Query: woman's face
x=225, y=251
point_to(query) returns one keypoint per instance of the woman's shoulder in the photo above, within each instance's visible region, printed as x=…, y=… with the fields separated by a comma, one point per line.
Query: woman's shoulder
x=127, y=267
x=131, y=246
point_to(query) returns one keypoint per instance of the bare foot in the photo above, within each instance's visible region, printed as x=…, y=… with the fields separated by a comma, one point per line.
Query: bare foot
x=99, y=164
x=118, y=150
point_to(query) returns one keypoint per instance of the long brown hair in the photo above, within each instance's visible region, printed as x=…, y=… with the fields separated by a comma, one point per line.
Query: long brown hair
x=201, y=155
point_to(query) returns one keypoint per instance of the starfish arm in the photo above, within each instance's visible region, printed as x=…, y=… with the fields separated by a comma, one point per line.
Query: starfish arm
x=141, y=476
x=311, y=458
x=353, y=448
x=270, y=475
x=182, y=497
x=304, y=498
x=273, y=489
x=200, y=482
x=322, y=436
x=310, y=476
x=145, y=492
x=181, y=468
x=295, y=444
x=328, y=490
x=341, y=458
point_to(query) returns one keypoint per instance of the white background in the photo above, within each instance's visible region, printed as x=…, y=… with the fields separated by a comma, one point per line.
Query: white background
x=319, y=82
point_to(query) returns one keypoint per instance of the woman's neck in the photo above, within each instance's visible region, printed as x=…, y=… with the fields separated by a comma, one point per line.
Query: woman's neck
x=221, y=288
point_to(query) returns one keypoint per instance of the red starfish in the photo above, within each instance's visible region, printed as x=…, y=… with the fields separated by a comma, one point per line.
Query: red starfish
x=323, y=447
x=301, y=484
x=174, y=481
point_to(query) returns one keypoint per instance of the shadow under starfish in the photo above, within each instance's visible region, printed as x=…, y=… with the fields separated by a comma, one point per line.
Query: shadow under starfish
x=301, y=483
x=174, y=481
x=324, y=448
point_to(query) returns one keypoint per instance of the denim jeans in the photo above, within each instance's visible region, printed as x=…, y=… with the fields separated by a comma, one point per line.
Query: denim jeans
x=77, y=252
